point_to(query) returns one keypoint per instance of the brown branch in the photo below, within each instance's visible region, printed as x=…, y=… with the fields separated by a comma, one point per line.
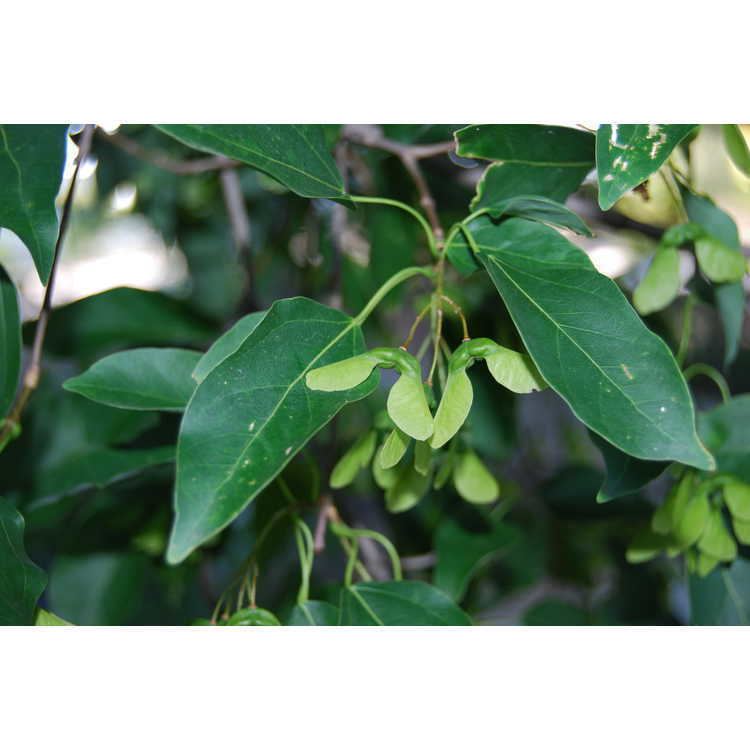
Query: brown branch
x=410, y=156
x=33, y=371
x=167, y=163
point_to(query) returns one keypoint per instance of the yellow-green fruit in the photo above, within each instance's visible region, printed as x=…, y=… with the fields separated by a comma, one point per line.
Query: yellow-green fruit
x=342, y=375
x=737, y=498
x=356, y=458
x=660, y=285
x=455, y=405
x=473, y=481
x=514, y=370
x=409, y=489
x=393, y=449
x=716, y=540
x=407, y=407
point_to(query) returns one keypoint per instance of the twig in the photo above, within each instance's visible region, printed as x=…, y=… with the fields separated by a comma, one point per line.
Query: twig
x=419, y=562
x=167, y=163
x=410, y=156
x=239, y=223
x=33, y=371
x=322, y=523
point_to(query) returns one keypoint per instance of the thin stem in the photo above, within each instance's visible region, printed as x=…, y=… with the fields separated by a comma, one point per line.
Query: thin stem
x=343, y=530
x=459, y=312
x=305, y=549
x=394, y=281
x=165, y=162
x=687, y=329
x=31, y=377
x=700, y=368
x=409, y=210
x=353, y=551
x=415, y=325
x=437, y=334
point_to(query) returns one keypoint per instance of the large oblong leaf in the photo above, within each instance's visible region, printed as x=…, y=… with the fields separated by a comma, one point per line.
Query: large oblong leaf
x=295, y=155
x=142, y=379
x=398, y=603
x=10, y=342
x=618, y=377
x=21, y=582
x=32, y=158
x=253, y=412
x=543, y=145
x=626, y=155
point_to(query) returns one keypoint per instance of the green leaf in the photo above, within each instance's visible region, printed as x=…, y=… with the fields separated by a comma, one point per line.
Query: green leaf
x=515, y=371
x=625, y=474
x=393, y=449
x=227, y=344
x=45, y=619
x=314, y=613
x=32, y=158
x=356, y=458
x=473, y=481
x=719, y=262
x=95, y=467
x=21, y=582
x=726, y=433
x=121, y=319
x=100, y=589
x=398, y=603
x=542, y=145
x=626, y=155
x=253, y=616
x=660, y=285
x=619, y=378
x=722, y=598
x=461, y=554
x=454, y=407
x=409, y=488
x=253, y=413
x=10, y=342
x=540, y=209
x=501, y=182
x=737, y=148
x=140, y=379
x=295, y=155
x=728, y=298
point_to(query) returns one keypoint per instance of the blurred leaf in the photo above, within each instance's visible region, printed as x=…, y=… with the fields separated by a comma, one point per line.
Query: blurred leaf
x=737, y=148
x=314, y=613
x=726, y=432
x=723, y=597
x=461, y=554
x=119, y=319
x=626, y=155
x=93, y=468
x=32, y=158
x=295, y=155
x=625, y=474
x=140, y=379
x=21, y=582
x=585, y=339
x=398, y=603
x=473, y=480
x=552, y=612
x=728, y=298
x=227, y=344
x=543, y=145
x=10, y=342
x=661, y=284
x=103, y=589
x=719, y=262
x=253, y=412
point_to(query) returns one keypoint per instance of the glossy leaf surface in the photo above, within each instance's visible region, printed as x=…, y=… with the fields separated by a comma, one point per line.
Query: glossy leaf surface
x=618, y=377
x=295, y=155
x=142, y=379
x=10, y=342
x=21, y=581
x=398, y=603
x=227, y=344
x=253, y=412
x=543, y=145
x=725, y=430
x=32, y=158
x=626, y=155
x=314, y=613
